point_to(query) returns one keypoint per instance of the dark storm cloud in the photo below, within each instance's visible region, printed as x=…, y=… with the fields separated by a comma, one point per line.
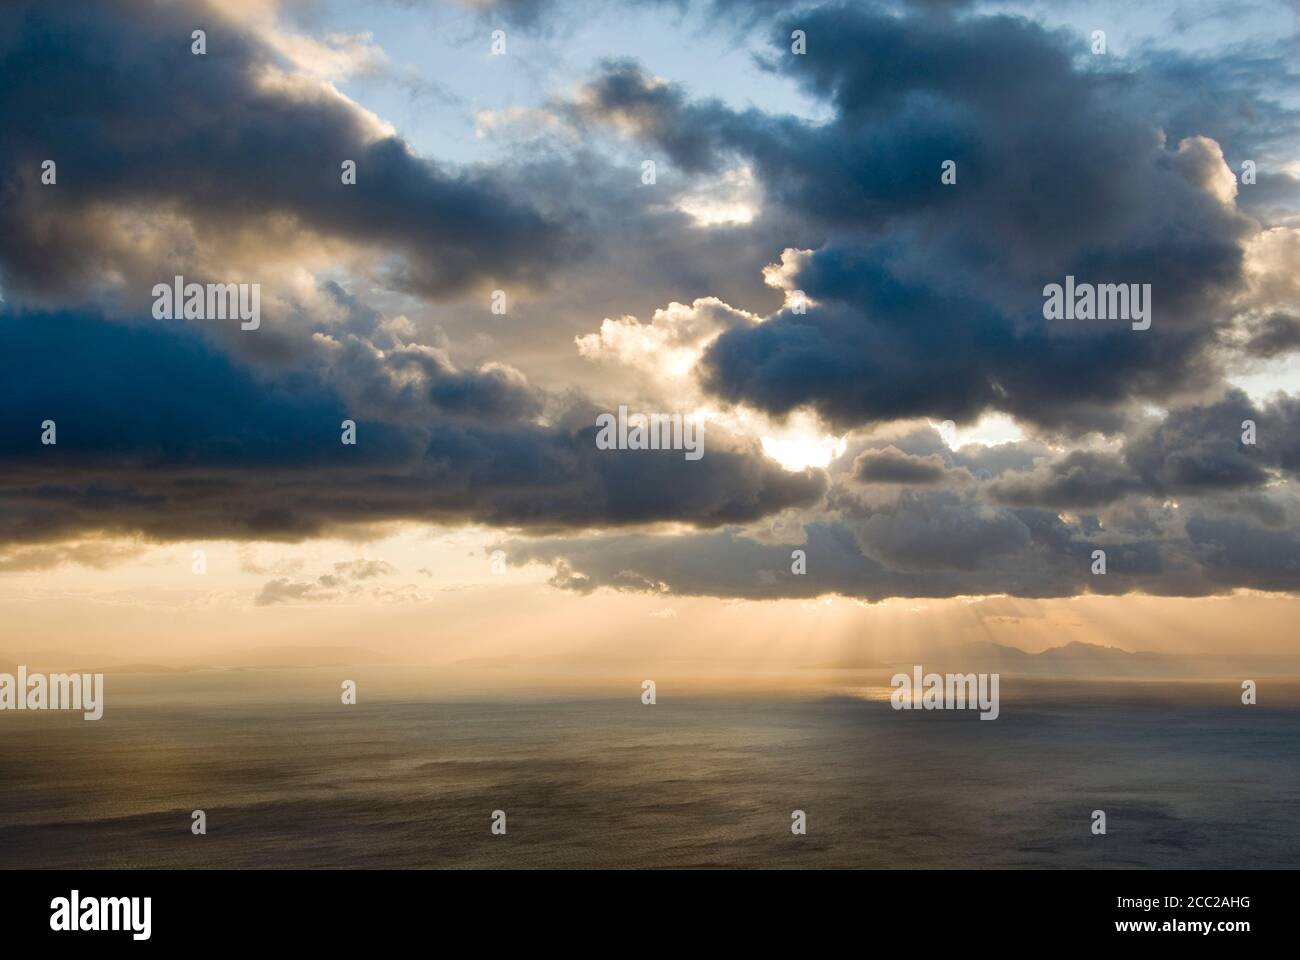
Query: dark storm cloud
x=928, y=298
x=1234, y=554
x=158, y=433
x=1082, y=478
x=139, y=125
x=937, y=545
x=490, y=394
x=1274, y=335
x=163, y=431
x=1198, y=449
x=876, y=348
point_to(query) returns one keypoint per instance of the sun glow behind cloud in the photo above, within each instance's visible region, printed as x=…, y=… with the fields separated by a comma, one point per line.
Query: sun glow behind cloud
x=799, y=450
x=731, y=198
x=990, y=430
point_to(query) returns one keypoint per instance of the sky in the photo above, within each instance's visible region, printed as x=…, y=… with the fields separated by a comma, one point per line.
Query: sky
x=902, y=450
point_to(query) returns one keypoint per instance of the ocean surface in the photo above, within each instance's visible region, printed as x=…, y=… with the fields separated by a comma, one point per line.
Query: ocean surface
x=1187, y=776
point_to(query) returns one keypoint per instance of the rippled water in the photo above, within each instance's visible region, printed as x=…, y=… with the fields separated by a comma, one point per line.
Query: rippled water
x=1187, y=777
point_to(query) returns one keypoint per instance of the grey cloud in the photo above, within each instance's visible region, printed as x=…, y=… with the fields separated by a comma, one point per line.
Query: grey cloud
x=1195, y=449
x=328, y=586
x=285, y=591
x=1238, y=555
x=908, y=319
x=1034, y=553
x=891, y=465
x=926, y=302
x=972, y=461
x=937, y=530
x=1200, y=448
x=222, y=148
x=364, y=569
x=1081, y=478
x=159, y=434
x=1275, y=334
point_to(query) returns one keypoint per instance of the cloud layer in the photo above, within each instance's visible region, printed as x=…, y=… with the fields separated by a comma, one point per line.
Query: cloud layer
x=809, y=281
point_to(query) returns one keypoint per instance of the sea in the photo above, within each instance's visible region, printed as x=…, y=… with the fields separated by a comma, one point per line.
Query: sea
x=1187, y=777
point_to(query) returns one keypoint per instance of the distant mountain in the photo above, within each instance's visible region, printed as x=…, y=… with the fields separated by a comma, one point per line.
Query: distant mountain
x=1093, y=660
